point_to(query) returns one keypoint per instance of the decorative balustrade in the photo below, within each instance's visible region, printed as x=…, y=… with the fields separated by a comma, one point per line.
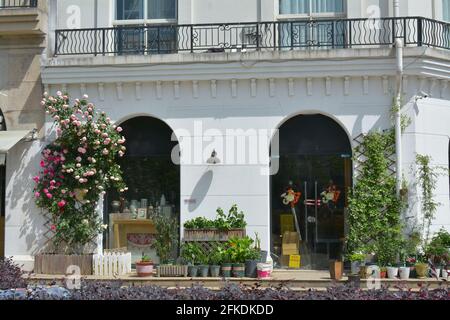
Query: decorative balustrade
x=275, y=35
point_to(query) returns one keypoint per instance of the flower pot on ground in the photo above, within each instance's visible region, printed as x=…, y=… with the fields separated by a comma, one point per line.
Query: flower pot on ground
x=193, y=271
x=144, y=268
x=404, y=273
x=421, y=270
x=392, y=272
x=251, y=268
x=252, y=259
x=336, y=268
x=238, y=270
x=226, y=269
x=214, y=271
x=357, y=260
x=216, y=258
x=383, y=273
x=203, y=270
x=373, y=271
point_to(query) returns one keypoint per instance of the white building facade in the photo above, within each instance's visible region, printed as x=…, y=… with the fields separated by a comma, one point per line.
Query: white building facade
x=225, y=76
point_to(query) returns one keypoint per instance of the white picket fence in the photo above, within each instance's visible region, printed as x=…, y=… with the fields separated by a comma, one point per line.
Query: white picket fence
x=112, y=264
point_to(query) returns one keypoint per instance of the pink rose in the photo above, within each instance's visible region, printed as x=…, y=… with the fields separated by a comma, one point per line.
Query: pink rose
x=49, y=195
x=37, y=194
x=119, y=129
x=61, y=204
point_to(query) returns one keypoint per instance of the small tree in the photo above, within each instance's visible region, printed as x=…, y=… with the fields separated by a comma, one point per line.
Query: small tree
x=166, y=238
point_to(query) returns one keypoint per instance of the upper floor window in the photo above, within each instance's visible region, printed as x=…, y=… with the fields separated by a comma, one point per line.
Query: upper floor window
x=146, y=9
x=446, y=10
x=312, y=7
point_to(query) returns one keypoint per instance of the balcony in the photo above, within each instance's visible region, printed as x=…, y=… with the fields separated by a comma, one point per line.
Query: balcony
x=9, y=4
x=20, y=18
x=253, y=36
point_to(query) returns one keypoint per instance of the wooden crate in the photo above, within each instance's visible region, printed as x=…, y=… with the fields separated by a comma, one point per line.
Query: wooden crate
x=286, y=223
x=172, y=271
x=194, y=235
x=58, y=264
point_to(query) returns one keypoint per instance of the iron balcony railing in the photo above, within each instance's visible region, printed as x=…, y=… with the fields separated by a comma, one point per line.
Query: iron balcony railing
x=275, y=35
x=6, y=4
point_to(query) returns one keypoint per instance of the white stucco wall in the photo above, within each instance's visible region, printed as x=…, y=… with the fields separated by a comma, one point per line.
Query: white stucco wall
x=183, y=96
x=213, y=11
x=24, y=225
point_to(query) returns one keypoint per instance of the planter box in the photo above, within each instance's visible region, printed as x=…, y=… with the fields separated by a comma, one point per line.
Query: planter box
x=172, y=271
x=58, y=264
x=212, y=234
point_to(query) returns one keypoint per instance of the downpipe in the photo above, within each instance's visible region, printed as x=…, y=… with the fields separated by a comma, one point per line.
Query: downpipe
x=398, y=116
x=398, y=104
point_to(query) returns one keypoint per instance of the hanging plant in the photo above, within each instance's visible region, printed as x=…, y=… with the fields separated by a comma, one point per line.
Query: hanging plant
x=77, y=168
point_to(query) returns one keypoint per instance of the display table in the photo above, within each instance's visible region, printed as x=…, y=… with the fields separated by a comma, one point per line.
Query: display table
x=124, y=227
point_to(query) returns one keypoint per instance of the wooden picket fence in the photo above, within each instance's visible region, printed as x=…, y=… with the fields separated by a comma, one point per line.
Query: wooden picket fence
x=111, y=264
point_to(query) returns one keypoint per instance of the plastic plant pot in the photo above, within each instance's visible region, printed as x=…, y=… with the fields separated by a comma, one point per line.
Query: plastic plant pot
x=226, y=270
x=193, y=271
x=203, y=271
x=238, y=270
x=214, y=271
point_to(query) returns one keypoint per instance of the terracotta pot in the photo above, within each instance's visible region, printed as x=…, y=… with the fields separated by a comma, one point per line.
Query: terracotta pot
x=144, y=269
x=383, y=274
x=336, y=268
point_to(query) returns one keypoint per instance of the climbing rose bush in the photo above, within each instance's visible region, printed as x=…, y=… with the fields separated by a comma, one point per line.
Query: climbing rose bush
x=77, y=168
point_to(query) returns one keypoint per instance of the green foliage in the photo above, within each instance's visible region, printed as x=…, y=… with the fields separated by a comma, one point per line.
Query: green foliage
x=191, y=252
x=145, y=258
x=241, y=249
x=427, y=179
x=357, y=257
x=76, y=169
x=234, y=220
x=374, y=208
x=438, y=250
x=216, y=256
x=166, y=238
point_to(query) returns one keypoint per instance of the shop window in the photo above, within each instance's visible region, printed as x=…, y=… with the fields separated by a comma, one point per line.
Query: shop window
x=154, y=187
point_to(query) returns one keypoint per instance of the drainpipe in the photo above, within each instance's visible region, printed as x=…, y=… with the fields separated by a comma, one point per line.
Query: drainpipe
x=398, y=100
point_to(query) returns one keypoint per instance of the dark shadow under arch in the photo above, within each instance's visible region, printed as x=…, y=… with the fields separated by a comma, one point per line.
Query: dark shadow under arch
x=148, y=169
x=314, y=155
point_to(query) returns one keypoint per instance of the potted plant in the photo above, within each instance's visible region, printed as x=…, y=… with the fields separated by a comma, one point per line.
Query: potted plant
x=437, y=251
x=227, y=265
x=239, y=249
x=144, y=267
x=166, y=238
x=383, y=272
x=421, y=267
x=252, y=259
x=411, y=262
x=215, y=260
x=190, y=252
x=357, y=260
x=203, y=261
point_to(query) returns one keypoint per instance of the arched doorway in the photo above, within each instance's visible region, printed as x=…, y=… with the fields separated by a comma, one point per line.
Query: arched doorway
x=314, y=161
x=153, y=182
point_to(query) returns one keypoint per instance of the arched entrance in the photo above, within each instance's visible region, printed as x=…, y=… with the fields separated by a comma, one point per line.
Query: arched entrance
x=153, y=181
x=314, y=161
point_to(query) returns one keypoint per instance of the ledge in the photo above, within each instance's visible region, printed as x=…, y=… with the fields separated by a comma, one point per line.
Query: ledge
x=20, y=21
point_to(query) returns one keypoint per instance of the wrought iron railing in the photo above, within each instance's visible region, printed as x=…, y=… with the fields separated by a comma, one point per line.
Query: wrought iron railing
x=18, y=4
x=275, y=35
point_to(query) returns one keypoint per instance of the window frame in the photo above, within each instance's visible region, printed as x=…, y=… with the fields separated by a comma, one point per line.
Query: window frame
x=311, y=15
x=145, y=21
